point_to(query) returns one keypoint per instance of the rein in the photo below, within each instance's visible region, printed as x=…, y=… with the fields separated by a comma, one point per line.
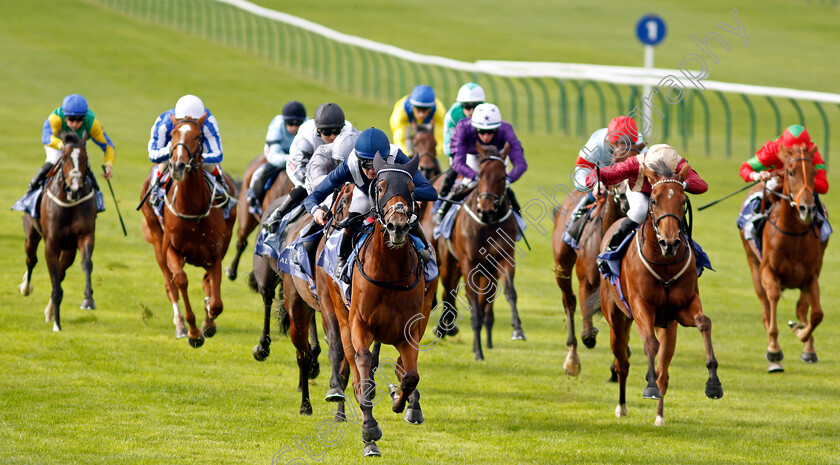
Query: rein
x=415, y=269
x=498, y=200
x=61, y=176
x=193, y=157
x=685, y=225
x=205, y=213
x=64, y=204
x=793, y=201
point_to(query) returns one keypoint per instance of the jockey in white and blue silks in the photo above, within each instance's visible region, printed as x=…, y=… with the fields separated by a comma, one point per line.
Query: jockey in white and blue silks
x=358, y=169
x=329, y=122
x=278, y=142
x=160, y=141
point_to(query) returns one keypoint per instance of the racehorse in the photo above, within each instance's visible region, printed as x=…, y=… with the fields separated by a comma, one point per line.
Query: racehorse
x=297, y=315
x=67, y=222
x=482, y=246
x=424, y=145
x=608, y=210
x=193, y=230
x=659, y=279
x=390, y=299
x=792, y=254
x=248, y=221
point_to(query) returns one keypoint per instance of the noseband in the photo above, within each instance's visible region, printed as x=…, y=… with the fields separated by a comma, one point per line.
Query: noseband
x=664, y=215
x=193, y=157
x=399, y=207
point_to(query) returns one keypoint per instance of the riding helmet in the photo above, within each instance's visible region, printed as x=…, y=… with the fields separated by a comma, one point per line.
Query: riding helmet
x=189, y=106
x=372, y=141
x=74, y=105
x=329, y=116
x=422, y=96
x=471, y=93
x=294, y=110
x=486, y=116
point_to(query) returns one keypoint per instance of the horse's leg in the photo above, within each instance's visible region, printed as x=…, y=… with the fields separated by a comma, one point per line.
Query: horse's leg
x=362, y=384
x=695, y=317
x=175, y=263
x=645, y=325
x=619, y=337
x=208, y=326
x=315, y=347
x=374, y=365
x=266, y=281
x=563, y=275
x=667, y=343
x=154, y=235
x=449, y=276
x=86, y=246
x=300, y=316
x=214, y=306
x=247, y=223
x=809, y=353
x=476, y=312
x=31, y=248
x=65, y=259
x=409, y=378
x=510, y=296
x=335, y=353
x=773, y=291
x=812, y=291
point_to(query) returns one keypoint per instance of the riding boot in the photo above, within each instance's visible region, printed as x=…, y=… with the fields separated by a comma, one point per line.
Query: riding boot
x=454, y=197
x=575, y=224
x=626, y=226
x=445, y=190
x=514, y=203
x=310, y=246
x=295, y=197
x=258, y=185
x=346, y=242
x=39, y=178
x=417, y=231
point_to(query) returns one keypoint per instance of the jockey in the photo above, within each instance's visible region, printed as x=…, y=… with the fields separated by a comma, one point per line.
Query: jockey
x=358, y=169
x=72, y=116
x=485, y=126
x=766, y=160
x=278, y=142
x=598, y=151
x=160, y=140
x=633, y=170
x=421, y=107
x=470, y=95
x=329, y=122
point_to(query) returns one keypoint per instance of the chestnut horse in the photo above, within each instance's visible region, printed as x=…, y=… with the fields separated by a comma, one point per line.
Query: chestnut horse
x=792, y=254
x=659, y=279
x=248, y=221
x=297, y=315
x=390, y=299
x=67, y=222
x=194, y=230
x=482, y=246
x=608, y=211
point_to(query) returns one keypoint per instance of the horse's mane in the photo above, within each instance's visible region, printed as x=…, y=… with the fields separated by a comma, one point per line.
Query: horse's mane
x=661, y=168
x=70, y=138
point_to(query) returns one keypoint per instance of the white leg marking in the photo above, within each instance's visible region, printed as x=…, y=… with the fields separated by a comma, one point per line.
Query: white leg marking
x=25, y=286
x=621, y=410
x=49, y=312
x=660, y=421
x=178, y=319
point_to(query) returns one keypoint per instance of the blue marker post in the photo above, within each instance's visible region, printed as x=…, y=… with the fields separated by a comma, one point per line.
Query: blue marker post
x=650, y=30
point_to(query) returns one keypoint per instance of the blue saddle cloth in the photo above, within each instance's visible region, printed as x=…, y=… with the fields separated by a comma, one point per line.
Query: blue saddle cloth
x=30, y=202
x=445, y=227
x=752, y=221
x=329, y=256
x=613, y=260
x=270, y=244
x=295, y=261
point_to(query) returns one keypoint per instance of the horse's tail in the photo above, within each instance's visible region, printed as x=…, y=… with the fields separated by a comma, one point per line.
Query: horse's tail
x=592, y=305
x=252, y=282
x=283, y=317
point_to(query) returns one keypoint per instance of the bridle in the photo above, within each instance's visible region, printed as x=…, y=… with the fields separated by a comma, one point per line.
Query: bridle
x=684, y=227
x=497, y=199
x=399, y=207
x=194, y=157
x=794, y=200
x=75, y=173
x=661, y=217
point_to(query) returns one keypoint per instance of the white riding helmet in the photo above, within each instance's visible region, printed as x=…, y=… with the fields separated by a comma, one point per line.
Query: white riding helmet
x=189, y=106
x=486, y=116
x=471, y=93
x=663, y=153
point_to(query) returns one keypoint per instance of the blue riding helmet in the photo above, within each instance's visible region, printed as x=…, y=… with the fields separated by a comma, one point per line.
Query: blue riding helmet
x=370, y=142
x=422, y=96
x=294, y=110
x=74, y=105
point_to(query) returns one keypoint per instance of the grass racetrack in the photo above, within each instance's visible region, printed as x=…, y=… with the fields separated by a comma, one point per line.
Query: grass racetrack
x=115, y=387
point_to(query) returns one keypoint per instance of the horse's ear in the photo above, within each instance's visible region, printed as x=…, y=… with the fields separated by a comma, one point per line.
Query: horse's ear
x=202, y=119
x=683, y=173
x=505, y=150
x=638, y=147
x=812, y=151
x=784, y=153
x=378, y=162
x=412, y=165
x=479, y=149
x=651, y=176
x=173, y=118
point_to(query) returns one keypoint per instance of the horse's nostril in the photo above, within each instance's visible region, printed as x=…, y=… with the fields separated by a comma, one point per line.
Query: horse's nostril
x=391, y=227
x=662, y=243
x=676, y=243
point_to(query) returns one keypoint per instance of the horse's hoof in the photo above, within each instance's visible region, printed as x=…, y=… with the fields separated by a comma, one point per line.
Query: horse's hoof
x=590, y=339
x=25, y=288
x=261, y=353
x=453, y=331
x=613, y=375
x=392, y=390
x=571, y=368
x=371, y=434
x=56, y=328
x=230, y=273
x=88, y=304
x=518, y=335
x=714, y=390
x=335, y=395
x=371, y=450
x=794, y=325
x=180, y=332
x=775, y=367
x=414, y=416
x=651, y=392
x=314, y=370
x=774, y=356
x=809, y=357
x=196, y=343
x=621, y=410
x=49, y=312
x=209, y=331
x=660, y=421
x=306, y=408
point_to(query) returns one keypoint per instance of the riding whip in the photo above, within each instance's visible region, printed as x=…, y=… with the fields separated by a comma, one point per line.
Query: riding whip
x=115, y=202
x=727, y=196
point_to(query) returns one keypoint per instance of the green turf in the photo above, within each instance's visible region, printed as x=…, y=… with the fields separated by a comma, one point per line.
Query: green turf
x=114, y=387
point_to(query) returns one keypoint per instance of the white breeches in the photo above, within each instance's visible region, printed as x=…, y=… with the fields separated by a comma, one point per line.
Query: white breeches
x=53, y=155
x=638, y=206
x=360, y=202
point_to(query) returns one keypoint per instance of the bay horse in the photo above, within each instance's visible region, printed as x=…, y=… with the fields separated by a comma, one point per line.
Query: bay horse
x=424, y=145
x=659, y=279
x=193, y=230
x=67, y=222
x=609, y=209
x=248, y=221
x=481, y=247
x=297, y=314
x=390, y=299
x=792, y=254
